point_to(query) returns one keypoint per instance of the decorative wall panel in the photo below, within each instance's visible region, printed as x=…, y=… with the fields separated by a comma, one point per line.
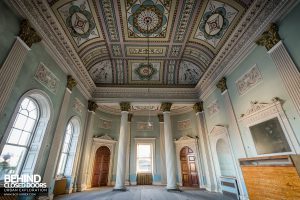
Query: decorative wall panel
x=249, y=80
x=46, y=78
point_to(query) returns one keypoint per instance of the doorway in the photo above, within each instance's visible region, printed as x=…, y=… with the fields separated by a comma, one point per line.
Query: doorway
x=188, y=168
x=101, y=167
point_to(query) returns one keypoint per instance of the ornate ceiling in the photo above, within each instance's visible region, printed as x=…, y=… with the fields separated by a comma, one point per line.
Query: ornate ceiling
x=110, y=37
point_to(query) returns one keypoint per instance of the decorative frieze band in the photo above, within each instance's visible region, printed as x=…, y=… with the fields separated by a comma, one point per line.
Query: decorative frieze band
x=46, y=78
x=249, y=80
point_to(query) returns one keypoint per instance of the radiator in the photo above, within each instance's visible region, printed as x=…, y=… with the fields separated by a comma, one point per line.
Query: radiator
x=144, y=179
x=229, y=187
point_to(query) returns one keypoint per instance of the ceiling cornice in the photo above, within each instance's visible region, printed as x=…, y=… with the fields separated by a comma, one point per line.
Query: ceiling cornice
x=43, y=20
x=108, y=94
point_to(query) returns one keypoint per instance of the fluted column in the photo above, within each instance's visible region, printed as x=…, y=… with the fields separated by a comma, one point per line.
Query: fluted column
x=287, y=69
x=169, y=147
x=162, y=150
x=122, y=150
x=234, y=135
x=127, y=175
x=9, y=71
x=50, y=171
x=206, y=155
x=88, y=140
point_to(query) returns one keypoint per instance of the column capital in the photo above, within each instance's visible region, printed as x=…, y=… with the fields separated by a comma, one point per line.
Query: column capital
x=125, y=106
x=160, y=117
x=71, y=82
x=28, y=34
x=222, y=84
x=92, y=106
x=198, y=107
x=130, y=115
x=166, y=106
x=269, y=38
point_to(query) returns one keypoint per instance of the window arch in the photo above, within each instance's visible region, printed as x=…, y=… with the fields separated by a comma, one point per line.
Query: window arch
x=20, y=146
x=69, y=146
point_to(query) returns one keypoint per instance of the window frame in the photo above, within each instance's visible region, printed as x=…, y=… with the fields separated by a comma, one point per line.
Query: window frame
x=13, y=120
x=74, y=137
x=147, y=141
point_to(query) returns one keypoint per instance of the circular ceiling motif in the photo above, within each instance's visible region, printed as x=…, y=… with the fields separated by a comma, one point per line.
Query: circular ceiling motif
x=80, y=22
x=214, y=23
x=145, y=71
x=147, y=18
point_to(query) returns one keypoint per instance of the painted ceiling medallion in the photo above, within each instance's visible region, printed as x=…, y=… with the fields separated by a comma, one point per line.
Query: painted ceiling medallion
x=147, y=19
x=145, y=71
x=80, y=21
x=217, y=20
x=214, y=23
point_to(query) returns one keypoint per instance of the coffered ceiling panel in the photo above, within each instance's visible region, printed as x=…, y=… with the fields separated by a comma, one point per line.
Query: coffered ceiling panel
x=110, y=37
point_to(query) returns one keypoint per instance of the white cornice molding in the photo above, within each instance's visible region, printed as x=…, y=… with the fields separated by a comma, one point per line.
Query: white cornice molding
x=271, y=11
x=109, y=94
x=43, y=20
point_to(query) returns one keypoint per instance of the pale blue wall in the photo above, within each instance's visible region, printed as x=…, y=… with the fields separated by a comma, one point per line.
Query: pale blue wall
x=289, y=31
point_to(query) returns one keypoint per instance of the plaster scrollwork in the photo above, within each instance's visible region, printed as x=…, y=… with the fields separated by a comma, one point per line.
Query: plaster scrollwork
x=249, y=80
x=213, y=108
x=78, y=106
x=46, y=78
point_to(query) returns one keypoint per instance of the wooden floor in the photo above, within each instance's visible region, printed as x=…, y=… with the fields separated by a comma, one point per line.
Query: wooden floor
x=143, y=193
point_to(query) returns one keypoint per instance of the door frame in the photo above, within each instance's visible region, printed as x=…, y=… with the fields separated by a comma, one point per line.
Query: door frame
x=187, y=141
x=97, y=143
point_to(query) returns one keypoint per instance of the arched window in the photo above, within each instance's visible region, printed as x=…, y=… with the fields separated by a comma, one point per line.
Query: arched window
x=69, y=146
x=20, y=136
x=22, y=141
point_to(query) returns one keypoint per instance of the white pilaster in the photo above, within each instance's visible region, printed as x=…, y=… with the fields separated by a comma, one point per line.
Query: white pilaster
x=49, y=176
x=10, y=70
x=162, y=154
x=122, y=151
x=83, y=171
x=288, y=72
x=211, y=184
x=235, y=137
x=170, y=152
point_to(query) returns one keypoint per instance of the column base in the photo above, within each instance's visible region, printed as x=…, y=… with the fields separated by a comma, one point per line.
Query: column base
x=174, y=190
x=119, y=190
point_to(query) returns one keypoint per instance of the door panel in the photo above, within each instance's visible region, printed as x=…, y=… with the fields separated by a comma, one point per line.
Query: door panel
x=188, y=168
x=101, y=167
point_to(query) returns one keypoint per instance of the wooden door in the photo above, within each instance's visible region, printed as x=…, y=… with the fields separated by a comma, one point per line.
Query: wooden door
x=101, y=167
x=188, y=168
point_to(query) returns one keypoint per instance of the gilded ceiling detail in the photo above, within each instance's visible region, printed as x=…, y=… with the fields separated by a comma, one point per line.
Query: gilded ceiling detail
x=110, y=37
